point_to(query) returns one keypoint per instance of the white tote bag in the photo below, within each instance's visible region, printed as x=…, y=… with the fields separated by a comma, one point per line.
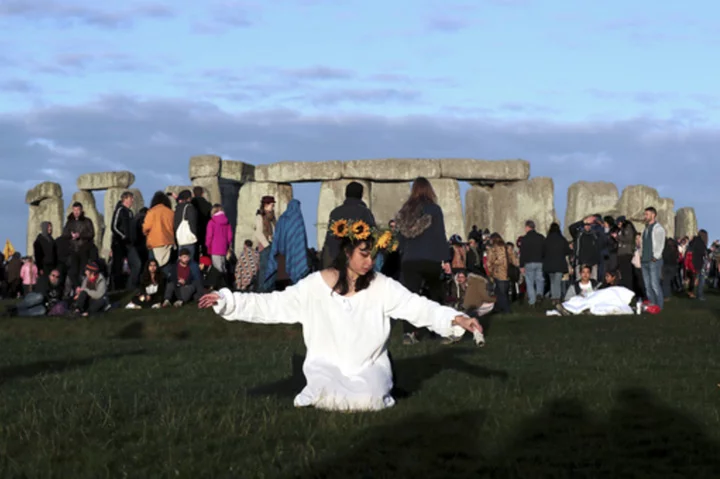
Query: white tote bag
x=184, y=234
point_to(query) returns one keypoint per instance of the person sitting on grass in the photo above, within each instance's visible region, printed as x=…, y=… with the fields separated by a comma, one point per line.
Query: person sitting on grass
x=584, y=286
x=46, y=300
x=91, y=296
x=212, y=279
x=611, y=279
x=185, y=282
x=152, y=288
x=345, y=313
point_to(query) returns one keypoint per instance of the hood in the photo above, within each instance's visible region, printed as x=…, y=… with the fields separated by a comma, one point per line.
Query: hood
x=294, y=206
x=44, y=226
x=220, y=218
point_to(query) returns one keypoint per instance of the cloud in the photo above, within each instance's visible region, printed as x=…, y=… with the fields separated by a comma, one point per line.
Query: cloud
x=67, y=13
x=447, y=23
x=226, y=15
x=80, y=63
x=644, y=97
x=365, y=95
x=155, y=138
x=316, y=73
x=17, y=85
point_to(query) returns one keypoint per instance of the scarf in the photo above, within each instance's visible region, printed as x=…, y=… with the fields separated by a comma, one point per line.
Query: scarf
x=248, y=265
x=290, y=240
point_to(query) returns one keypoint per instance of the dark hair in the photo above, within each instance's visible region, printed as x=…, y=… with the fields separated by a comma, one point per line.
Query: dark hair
x=184, y=195
x=421, y=193
x=160, y=198
x=554, y=228
x=497, y=240
x=530, y=224
x=584, y=267
x=146, y=278
x=77, y=204
x=126, y=195
x=354, y=190
x=610, y=221
x=184, y=252
x=703, y=236
x=347, y=248
x=651, y=210
x=248, y=243
x=143, y=210
x=198, y=191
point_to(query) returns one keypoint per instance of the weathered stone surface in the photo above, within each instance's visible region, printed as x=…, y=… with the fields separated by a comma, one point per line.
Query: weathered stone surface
x=211, y=186
x=249, y=202
x=43, y=191
x=105, y=180
x=588, y=198
x=204, y=166
x=686, y=223
x=448, y=195
x=485, y=170
x=392, y=169
x=505, y=207
x=666, y=215
x=48, y=209
x=88, y=201
x=112, y=196
x=386, y=199
x=237, y=171
x=635, y=199
x=332, y=195
x=299, y=171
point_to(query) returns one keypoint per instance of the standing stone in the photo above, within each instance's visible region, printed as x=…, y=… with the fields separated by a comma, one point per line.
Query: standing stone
x=105, y=180
x=47, y=209
x=299, y=171
x=635, y=199
x=43, y=191
x=386, y=199
x=488, y=171
x=686, y=223
x=249, y=202
x=112, y=196
x=666, y=215
x=88, y=201
x=587, y=198
x=211, y=185
x=204, y=166
x=505, y=207
x=478, y=208
x=332, y=195
x=448, y=196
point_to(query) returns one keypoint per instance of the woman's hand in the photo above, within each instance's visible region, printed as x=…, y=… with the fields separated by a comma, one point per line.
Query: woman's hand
x=209, y=300
x=467, y=323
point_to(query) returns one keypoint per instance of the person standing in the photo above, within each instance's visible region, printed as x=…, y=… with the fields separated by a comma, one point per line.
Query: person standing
x=186, y=224
x=45, y=249
x=625, y=237
x=218, y=238
x=651, y=249
x=352, y=209
x=264, y=231
x=421, y=228
x=204, y=212
x=670, y=266
x=531, y=262
x=121, y=229
x=500, y=256
x=556, y=250
x=80, y=230
x=697, y=249
x=159, y=232
x=288, y=262
x=587, y=245
x=138, y=247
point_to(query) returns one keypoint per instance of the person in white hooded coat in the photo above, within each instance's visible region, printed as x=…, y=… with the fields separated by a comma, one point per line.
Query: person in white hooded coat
x=345, y=312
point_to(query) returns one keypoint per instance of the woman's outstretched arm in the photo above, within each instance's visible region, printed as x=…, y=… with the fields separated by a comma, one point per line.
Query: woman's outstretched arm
x=280, y=307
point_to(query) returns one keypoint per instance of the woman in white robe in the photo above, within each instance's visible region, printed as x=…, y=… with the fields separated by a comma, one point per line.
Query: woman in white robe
x=345, y=313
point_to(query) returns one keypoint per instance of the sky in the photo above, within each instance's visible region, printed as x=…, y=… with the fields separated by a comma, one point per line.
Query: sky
x=597, y=91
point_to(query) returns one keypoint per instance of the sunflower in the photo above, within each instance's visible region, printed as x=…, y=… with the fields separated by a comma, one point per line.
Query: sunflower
x=394, y=247
x=361, y=230
x=384, y=240
x=339, y=228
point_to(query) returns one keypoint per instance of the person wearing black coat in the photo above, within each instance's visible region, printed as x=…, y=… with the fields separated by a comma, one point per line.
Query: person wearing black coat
x=45, y=249
x=138, y=239
x=531, y=262
x=353, y=209
x=79, y=229
x=698, y=248
x=555, y=253
x=670, y=266
x=588, y=245
x=121, y=230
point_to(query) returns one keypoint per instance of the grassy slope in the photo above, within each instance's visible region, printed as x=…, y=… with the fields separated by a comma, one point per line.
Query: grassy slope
x=170, y=394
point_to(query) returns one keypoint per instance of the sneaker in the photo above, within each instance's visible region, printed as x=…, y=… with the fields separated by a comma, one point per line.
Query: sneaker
x=178, y=304
x=107, y=308
x=155, y=306
x=166, y=304
x=132, y=306
x=451, y=340
x=410, y=339
x=561, y=309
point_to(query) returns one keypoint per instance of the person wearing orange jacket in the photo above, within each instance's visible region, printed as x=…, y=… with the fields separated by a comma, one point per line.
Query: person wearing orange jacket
x=158, y=228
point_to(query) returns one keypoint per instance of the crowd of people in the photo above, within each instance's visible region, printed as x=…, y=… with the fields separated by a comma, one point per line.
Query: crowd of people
x=172, y=257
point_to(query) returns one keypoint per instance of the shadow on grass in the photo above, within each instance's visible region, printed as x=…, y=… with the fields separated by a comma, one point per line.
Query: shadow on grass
x=10, y=373
x=640, y=437
x=409, y=374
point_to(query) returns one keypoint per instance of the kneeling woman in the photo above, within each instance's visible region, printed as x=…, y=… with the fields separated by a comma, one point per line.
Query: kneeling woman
x=345, y=312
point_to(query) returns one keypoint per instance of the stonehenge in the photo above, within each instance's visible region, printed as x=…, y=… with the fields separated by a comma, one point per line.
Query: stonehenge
x=501, y=197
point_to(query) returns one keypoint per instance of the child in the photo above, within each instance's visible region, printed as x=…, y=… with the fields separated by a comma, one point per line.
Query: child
x=248, y=265
x=29, y=275
x=219, y=238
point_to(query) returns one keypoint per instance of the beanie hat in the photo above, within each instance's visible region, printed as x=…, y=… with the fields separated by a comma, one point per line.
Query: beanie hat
x=93, y=267
x=205, y=261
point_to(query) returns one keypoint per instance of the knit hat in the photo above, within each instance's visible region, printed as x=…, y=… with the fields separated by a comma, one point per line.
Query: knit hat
x=205, y=261
x=93, y=267
x=621, y=219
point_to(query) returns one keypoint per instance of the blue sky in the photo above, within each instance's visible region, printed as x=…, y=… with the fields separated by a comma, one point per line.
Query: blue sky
x=616, y=91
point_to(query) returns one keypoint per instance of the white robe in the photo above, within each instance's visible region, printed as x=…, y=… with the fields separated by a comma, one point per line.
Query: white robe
x=347, y=365
x=603, y=302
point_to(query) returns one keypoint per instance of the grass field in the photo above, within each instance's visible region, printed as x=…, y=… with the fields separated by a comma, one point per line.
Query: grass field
x=181, y=393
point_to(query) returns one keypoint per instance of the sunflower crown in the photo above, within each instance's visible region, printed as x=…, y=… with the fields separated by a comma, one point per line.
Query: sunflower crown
x=358, y=230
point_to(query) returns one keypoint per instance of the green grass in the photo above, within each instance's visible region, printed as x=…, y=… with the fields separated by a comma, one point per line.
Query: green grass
x=172, y=394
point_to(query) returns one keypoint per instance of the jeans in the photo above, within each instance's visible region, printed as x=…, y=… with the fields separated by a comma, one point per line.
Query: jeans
x=33, y=304
x=700, y=292
x=535, y=281
x=86, y=304
x=502, y=295
x=555, y=285
x=669, y=274
x=651, y=273
x=218, y=262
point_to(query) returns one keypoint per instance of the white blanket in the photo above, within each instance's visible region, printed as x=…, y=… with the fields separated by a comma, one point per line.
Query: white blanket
x=605, y=302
